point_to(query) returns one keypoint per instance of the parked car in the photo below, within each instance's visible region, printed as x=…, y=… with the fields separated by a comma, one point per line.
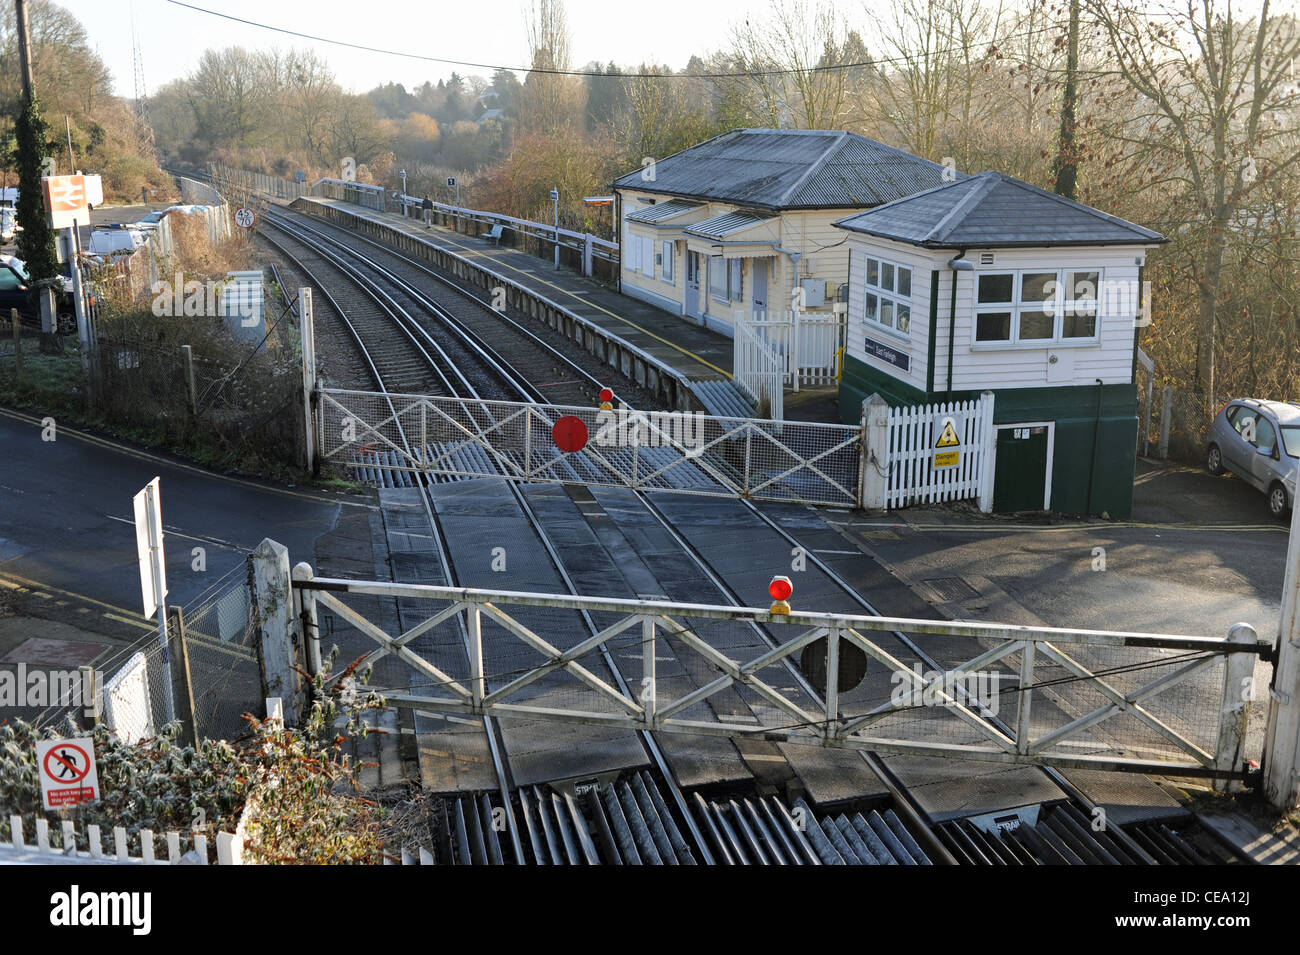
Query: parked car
x=1259, y=441
x=14, y=293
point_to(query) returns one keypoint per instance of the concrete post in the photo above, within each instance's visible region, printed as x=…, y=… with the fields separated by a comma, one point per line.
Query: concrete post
x=1282, y=739
x=18, y=344
x=988, y=453
x=308, y=622
x=276, y=634
x=586, y=255
x=307, y=330
x=182, y=682
x=191, y=389
x=1238, y=691
x=873, y=467
x=1166, y=417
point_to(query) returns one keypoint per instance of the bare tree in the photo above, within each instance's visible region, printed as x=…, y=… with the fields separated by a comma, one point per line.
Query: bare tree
x=794, y=61
x=552, y=100
x=1210, y=122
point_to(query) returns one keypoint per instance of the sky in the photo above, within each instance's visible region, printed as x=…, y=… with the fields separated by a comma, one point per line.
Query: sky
x=487, y=31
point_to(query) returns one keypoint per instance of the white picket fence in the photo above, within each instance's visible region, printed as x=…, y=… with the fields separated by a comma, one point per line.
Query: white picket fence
x=914, y=430
x=803, y=347
x=230, y=846
x=760, y=366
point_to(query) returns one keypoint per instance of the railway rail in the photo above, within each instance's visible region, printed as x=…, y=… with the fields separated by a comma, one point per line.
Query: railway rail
x=463, y=363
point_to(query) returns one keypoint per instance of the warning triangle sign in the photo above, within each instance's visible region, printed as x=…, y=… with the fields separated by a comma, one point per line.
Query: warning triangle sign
x=948, y=439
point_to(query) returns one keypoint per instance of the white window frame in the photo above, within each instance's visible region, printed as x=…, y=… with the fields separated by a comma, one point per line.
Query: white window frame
x=669, y=267
x=632, y=251
x=1016, y=306
x=732, y=271
x=888, y=296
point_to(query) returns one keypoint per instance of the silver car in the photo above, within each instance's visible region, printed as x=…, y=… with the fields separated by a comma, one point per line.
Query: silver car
x=1259, y=441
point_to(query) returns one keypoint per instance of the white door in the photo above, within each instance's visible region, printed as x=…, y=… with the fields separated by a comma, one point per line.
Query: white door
x=760, y=270
x=694, y=266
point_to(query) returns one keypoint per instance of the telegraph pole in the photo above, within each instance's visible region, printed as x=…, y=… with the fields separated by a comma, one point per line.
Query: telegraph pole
x=36, y=244
x=24, y=49
x=1066, y=167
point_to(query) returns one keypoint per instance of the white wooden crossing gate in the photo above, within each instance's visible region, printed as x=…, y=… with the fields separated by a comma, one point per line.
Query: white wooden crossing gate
x=772, y=350
x=941, y=452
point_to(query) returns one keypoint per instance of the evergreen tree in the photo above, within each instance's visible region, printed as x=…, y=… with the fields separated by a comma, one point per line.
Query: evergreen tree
x=36, y=240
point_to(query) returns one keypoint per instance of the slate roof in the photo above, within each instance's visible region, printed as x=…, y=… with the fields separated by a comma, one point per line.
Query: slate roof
x=789, y=169
x=993, y=210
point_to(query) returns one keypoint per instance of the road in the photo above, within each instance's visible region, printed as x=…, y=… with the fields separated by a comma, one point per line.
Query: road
x=66, y=518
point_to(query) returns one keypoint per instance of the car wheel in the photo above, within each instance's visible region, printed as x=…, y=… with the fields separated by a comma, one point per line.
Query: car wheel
x=1214, y=460
x=1277, y=500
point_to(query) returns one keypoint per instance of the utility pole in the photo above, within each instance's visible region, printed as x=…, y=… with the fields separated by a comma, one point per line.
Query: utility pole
x=1066, y=166
x=24, y=48
x=36, y=242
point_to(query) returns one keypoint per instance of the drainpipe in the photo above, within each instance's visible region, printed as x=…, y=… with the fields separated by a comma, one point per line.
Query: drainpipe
x=618, y=235
x=794, y=262
x=1096, y=433
x=958, y=264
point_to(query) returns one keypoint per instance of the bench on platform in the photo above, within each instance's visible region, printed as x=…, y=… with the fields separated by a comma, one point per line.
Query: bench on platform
x=494, y=234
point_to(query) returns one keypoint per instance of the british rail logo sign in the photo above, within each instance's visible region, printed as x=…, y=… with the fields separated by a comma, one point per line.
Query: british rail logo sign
x=66, y=200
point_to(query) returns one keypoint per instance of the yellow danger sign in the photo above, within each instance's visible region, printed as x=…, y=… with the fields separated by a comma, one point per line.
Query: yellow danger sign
x=947, y=439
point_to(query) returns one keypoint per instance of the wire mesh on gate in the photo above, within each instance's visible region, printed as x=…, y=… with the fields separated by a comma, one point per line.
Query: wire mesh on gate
x=1086, y=699
x=224, y=670
x=398, y=440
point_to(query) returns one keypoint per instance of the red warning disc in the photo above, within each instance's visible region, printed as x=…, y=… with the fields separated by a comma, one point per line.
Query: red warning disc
x=569, y=433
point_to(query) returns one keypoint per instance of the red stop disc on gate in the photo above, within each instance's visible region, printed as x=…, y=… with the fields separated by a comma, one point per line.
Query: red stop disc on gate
x=606, y=394
x=569, y=433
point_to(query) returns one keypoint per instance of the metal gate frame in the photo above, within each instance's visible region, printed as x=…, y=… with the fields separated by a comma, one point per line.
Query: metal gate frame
x=822, y=723
x=742, y=457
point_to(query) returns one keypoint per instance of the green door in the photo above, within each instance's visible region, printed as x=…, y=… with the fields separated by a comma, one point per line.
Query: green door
x=1020, y=481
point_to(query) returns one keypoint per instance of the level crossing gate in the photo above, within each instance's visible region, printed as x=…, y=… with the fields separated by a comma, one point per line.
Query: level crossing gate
x=403, y=440
x=1027, y=695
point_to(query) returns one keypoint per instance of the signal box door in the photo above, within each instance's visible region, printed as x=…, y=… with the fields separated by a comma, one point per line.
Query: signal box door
x=1020, y=476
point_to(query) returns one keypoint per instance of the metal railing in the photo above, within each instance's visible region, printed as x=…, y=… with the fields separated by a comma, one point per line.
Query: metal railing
x=1073, y=698
x=685, y=452
x=591, y=246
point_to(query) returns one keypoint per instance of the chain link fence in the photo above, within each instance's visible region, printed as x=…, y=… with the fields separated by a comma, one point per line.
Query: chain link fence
x=1174, y=423
x=246, y=412
x=138, y=689
x=225, y=674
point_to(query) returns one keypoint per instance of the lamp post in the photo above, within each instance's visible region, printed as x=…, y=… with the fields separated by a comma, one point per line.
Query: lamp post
x=555, y=198
x=403, y=175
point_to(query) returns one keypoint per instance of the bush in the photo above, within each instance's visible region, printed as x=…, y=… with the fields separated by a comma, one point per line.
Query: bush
x=300, y=783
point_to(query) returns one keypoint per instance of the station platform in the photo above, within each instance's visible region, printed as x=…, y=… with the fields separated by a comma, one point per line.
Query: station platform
x=700, y=353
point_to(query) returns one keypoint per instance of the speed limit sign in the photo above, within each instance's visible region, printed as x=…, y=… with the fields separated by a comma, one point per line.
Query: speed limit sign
x=245, y=217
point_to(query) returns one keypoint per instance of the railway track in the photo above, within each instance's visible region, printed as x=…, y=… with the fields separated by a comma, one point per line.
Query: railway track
x=389, y=295
x=472, y=334
x=907, y=644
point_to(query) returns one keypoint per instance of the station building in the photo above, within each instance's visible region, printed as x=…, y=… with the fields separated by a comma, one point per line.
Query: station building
x=740, y=221
x=988, y=283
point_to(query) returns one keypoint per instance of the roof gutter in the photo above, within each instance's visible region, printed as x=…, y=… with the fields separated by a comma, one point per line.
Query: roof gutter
x=959, y=263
